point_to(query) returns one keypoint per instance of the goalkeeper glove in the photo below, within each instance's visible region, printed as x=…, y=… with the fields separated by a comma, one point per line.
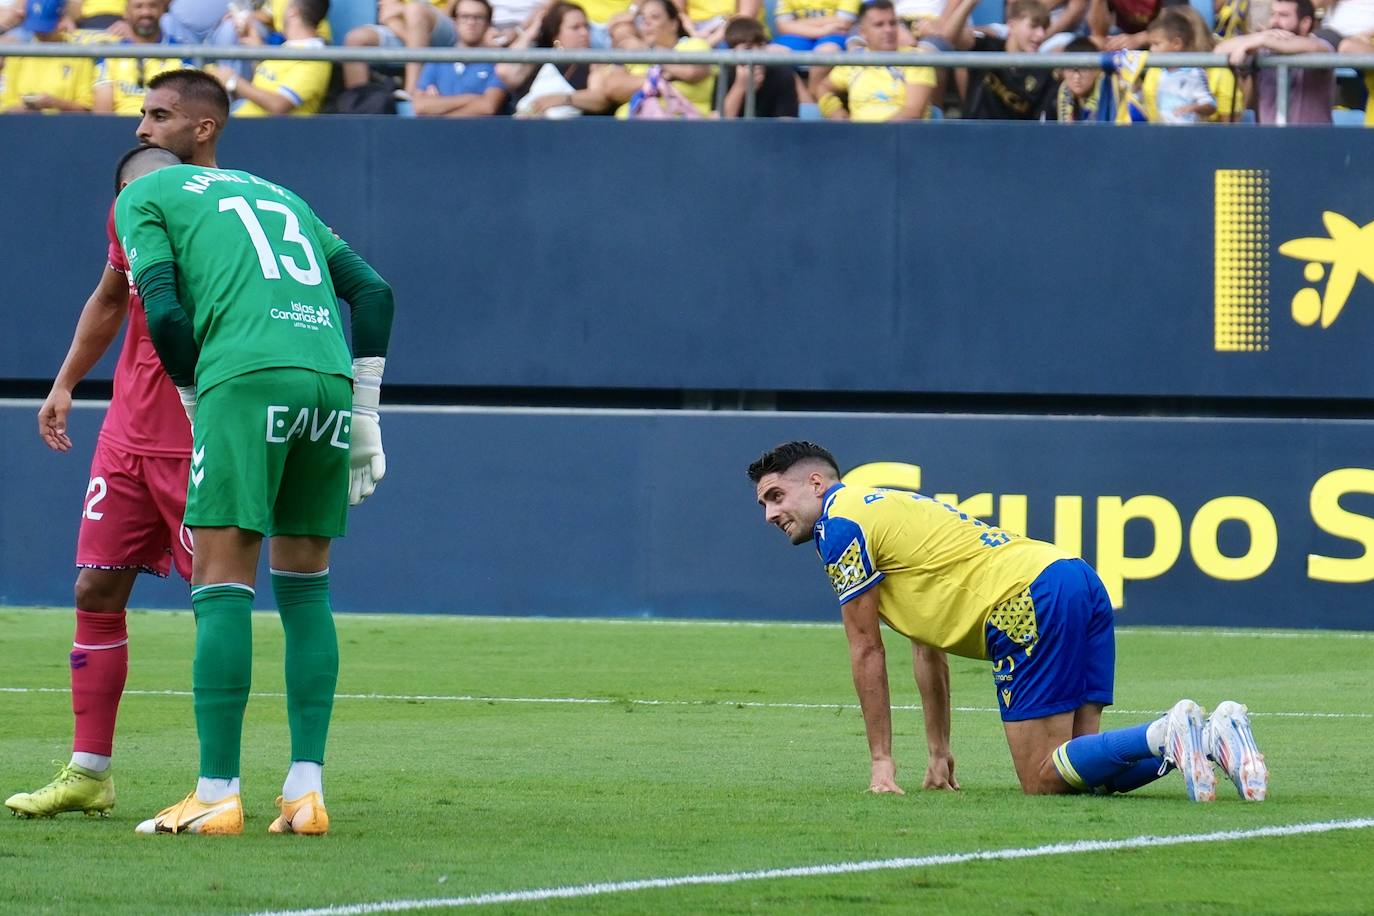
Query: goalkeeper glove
x=366, y=460
x=188, y=401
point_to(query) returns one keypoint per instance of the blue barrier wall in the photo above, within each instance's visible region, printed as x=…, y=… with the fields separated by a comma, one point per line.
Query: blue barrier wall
x=983, y=258
x=1234, y=523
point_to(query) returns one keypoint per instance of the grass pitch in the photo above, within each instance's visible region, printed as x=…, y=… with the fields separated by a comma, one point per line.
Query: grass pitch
x=485, y=756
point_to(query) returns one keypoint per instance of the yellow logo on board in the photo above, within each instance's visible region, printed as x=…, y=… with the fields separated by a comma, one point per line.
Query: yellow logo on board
x=1350, y=252
x=1240, y=284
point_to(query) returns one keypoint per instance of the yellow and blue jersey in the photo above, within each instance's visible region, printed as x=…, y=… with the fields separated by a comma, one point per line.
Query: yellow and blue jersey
x=811, y=9
x=944, y=578
x=304, y=82
x=129, y=76
x=878, y=93
x=68, y=78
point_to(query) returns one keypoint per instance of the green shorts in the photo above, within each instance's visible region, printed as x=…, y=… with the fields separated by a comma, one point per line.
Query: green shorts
x=271, y=454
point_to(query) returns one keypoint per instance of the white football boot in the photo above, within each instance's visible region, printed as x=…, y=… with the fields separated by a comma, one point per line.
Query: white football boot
x=1184, y=748
x=1231, y=744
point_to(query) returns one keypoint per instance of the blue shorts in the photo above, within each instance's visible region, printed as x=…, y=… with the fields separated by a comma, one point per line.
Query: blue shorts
x=1053, y=647
x=797, y=43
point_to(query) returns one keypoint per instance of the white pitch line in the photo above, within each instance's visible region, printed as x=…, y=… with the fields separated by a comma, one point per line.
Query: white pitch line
x=840, y=868
x=608, y=701
x=1125, y=629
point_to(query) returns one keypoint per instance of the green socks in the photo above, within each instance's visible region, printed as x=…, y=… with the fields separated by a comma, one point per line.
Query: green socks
x=312, y=659
x=222, y=673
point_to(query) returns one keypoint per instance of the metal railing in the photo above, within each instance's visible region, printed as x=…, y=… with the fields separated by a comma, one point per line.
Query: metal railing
x=972, y=60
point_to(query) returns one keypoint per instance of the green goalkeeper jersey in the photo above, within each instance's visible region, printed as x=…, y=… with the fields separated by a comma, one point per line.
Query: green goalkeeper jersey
x=251, y=260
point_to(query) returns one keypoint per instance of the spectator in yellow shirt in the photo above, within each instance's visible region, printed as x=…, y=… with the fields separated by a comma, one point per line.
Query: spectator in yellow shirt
x=283, y=87
x=877, y=93
x=47, y=83
x=661, y=25
x=1363, y=45
x=122, y=82
x=710, y=16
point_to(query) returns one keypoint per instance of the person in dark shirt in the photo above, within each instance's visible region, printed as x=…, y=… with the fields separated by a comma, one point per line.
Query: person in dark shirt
x=775, y=88
x=1005, y=93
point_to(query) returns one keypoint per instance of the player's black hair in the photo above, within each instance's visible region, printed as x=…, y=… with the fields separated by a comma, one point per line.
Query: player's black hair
x=196, y=86
x=870, y=5
x=779, y=458
x=312, y=11
x=128, y=164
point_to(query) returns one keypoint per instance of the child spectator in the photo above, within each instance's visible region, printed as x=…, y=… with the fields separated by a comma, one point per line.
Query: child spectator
x=1084, y=92
x=1005, y=93
x=1221, y=81
x=1181, y=93
x=775, y=88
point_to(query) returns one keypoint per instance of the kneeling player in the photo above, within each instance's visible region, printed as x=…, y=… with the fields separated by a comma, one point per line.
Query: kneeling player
x=950, y=582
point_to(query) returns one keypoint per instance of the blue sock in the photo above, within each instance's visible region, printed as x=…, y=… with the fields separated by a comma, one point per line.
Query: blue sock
x=1141, y=773
x=1093, y=761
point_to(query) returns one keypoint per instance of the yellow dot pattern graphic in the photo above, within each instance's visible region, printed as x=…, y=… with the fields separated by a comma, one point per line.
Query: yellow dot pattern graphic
x=1241, y=279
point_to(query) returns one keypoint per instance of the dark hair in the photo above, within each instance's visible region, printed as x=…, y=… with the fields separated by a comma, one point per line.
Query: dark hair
x=870, y=5
x=673, y=13
x=312, y=11
x=127, y=165
x=1028, y=9
x=1305, y=8
x=1079, y=45
x=1175, y=27
x=552, y=23
x=778, y=459
x=483, y=2
x=744, y=30
x=195, y=86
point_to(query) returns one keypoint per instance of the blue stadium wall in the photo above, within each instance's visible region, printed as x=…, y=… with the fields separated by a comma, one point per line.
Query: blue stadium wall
x=1203, y=267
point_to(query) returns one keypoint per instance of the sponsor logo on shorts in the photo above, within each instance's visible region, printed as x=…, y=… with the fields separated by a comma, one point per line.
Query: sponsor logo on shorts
x=285, y=423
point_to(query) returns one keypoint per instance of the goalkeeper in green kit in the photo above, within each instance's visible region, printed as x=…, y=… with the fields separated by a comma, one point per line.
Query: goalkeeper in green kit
x=240, y=281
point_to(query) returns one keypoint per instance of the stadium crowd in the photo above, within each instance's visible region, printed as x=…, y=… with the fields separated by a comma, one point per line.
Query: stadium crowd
x=1122, y=89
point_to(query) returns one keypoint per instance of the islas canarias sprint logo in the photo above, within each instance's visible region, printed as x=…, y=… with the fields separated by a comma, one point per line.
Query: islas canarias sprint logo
x=1333, y=264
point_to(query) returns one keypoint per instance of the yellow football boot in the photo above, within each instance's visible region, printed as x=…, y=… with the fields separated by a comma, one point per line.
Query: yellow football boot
x=305, y=815
x=74, y=788
x=191, y=815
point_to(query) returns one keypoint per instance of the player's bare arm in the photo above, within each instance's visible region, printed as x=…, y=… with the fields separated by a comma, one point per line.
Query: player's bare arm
x=101, y=318
x=868, y=662
x=932, y=680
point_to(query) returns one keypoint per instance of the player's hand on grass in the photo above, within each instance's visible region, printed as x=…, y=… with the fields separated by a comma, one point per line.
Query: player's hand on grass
x=366, y=460
x=884, y=778
x=940, y=773
x=52, y=420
